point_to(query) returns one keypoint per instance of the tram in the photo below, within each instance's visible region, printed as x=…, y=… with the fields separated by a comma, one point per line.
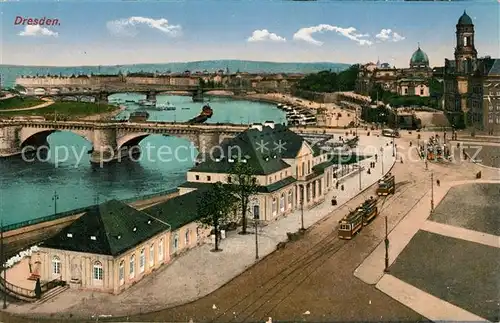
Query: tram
x=386, y=185
x=390, y=133
x=353, y=222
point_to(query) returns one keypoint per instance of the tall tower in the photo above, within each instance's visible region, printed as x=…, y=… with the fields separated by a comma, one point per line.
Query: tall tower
x=465, y=49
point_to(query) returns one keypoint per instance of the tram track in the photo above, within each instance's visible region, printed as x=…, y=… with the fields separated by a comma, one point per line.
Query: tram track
x=315, y=268
x=304, y=266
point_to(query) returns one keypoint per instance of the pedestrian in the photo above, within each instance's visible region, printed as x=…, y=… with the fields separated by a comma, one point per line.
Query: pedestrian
x=337, y=185
x=438, y=182
x=342, y=187
x=376, y=157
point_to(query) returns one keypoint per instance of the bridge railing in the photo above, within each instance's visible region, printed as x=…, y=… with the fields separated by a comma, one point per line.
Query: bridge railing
x=60, y=215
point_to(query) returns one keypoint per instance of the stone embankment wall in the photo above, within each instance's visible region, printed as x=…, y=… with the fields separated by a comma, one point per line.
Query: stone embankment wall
x=21, y=238
x=319, y=97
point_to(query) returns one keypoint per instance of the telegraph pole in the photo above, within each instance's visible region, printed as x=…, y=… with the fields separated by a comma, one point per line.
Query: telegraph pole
x=55, y=198
x=4, y=267
x=386, y=269
x=432, y=192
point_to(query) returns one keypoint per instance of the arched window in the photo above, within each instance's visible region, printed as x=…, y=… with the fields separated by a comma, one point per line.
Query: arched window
x=275, y=207
x=142, y=260
x=132, y=266
x=56, y=265
x=176, y=241
x=188, y=233
x=290, y=198
x=151, y=255
x=160, y=249
x=121, y=272
x=98, y=271
x=282, y=202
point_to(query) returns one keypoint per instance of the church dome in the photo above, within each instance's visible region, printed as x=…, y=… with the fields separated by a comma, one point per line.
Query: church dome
x=419, y=58
x=465, y=20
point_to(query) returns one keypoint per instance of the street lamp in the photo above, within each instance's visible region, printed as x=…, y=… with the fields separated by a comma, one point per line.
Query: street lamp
x=55, y=198
x=255, y=220
x=382, y=159
x=359, y=169
x=432, y=192
x=386, y=240
x=302, y=207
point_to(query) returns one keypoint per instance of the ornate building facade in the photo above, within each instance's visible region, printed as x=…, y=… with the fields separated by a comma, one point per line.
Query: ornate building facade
x=404, y=81
x=471, y=84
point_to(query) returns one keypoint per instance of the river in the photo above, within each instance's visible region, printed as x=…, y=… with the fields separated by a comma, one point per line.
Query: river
x=36, y=189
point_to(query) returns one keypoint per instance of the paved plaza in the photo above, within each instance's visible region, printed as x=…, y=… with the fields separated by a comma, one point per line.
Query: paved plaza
x=444, y=267
x=208, y=271
x=460, y=272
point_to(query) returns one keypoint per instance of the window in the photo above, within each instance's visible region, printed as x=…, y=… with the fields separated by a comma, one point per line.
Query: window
x=498, y=119
x=98, y=272
x=142, y=260
x=491, y=107
x=121, y=272
x=132, y=266
x=406, y=91
x=275, y=208
x=498, y=107
x=303, y=168
x=197, y=177
x=151, y=255
x=313, y=189
x=490, y=120
x=290, y=198
x=282, y=202
x=56, y=265
x=176, y=242
x=465, y=41
x=160, y=250
x=197, y=233
x=421, y=91
x=319, y=187
x=188, y=233
x=209, y=178
x=308, y=166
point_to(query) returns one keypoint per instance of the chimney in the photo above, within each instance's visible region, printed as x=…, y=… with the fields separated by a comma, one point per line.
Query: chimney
x=269, y=124
x=256, y=126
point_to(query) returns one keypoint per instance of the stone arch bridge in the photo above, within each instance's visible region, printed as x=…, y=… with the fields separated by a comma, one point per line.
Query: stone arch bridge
x=109, y=139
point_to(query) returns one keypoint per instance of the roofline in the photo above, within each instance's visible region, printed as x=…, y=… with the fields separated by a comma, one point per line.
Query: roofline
x=155, y=218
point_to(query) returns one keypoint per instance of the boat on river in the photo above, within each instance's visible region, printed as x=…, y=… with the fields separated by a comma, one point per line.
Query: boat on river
x=206, y=112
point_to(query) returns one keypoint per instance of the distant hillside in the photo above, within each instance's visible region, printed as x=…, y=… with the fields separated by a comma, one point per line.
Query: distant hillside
x=10, y=72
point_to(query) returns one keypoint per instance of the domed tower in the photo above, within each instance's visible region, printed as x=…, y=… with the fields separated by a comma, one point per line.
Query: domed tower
x=419, y=59
x=465, y=40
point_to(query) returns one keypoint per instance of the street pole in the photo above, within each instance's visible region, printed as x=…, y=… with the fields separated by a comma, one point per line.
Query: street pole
x=432, y=192
x=256, y=239
x=386, y=269
x=302, y=209
x=55, y=198
x=4, y=268
x=359, y=169
x=382, y=160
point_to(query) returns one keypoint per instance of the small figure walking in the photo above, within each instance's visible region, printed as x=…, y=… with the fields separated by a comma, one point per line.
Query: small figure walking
x=438, y=182
x=376, y=157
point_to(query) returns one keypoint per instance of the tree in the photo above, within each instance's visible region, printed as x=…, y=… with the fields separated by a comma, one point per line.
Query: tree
x=243, y=185
x=214, y=208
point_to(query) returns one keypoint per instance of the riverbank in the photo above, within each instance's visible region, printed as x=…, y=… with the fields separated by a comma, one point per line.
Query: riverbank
x=104, y=115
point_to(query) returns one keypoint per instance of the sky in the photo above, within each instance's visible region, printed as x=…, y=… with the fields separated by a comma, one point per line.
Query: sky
x=131, y=32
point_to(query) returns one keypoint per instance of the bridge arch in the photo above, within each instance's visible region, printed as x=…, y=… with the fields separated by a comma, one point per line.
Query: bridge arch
x=37, y=137
x=133, y=139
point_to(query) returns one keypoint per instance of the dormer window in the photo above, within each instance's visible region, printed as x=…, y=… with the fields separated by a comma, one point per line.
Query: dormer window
x=134, y=229
x=149, y=221
x=93, y=238
x=69, y=235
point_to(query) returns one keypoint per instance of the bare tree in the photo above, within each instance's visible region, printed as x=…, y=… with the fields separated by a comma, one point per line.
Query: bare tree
x=214, y=208
x=243, y=184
